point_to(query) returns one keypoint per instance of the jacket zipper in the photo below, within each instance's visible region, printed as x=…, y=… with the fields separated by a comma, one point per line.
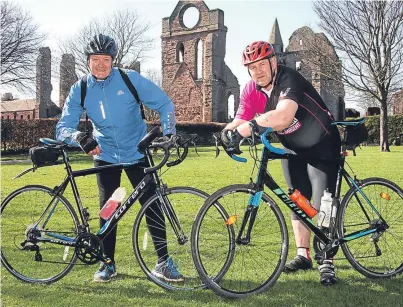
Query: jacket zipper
x=110, y=120
x=102, y=109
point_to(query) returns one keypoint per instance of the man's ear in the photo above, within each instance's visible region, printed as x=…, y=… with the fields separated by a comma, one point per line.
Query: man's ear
x=274, y=61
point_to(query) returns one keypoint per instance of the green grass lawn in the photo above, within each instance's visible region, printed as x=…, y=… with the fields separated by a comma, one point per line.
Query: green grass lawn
x=207, y=173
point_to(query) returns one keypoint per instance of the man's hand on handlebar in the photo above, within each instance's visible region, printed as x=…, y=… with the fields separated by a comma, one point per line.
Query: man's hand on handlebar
x=88, y=144
x=231, y=140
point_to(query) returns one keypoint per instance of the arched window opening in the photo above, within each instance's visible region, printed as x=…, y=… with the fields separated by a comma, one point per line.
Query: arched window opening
x=199, y=57
x=231, y=107
x=180, y=53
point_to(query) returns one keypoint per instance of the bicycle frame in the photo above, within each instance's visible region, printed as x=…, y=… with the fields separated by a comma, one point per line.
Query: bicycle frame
x=263, y=178
x=138, y=191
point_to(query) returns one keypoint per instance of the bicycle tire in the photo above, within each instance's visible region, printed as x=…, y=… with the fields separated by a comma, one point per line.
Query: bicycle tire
x=55, y=261
x=275, y=242
x=185, y=202
x=362, y=252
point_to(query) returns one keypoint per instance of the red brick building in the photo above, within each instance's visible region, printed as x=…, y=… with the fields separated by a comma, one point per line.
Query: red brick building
x=19, y=109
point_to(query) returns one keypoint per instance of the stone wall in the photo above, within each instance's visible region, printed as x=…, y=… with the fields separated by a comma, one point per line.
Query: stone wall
x=298, y=50
x=197, y=98
x=231, y=89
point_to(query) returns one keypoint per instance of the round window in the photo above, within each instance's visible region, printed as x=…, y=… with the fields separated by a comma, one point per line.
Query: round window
x=191, y=17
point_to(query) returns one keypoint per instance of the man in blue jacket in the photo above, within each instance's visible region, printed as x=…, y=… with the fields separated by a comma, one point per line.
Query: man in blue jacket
x=118, y=127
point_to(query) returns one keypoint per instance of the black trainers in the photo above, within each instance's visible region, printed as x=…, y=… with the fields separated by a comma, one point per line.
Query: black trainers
x=327, y=274
x=298, y=263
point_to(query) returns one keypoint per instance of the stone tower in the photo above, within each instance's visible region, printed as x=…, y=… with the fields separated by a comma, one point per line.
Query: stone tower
x=45, y=108
x=275, y=38
x=67, y=77
x=43, y=81
x=200, y=94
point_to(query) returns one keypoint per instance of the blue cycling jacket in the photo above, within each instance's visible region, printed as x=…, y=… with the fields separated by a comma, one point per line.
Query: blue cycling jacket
x=115, y=115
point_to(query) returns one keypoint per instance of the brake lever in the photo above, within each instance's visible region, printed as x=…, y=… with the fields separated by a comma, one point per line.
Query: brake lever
x=194, y=145
x=217, y=149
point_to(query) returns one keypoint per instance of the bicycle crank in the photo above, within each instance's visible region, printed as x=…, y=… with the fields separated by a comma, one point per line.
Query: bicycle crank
x=89, y=248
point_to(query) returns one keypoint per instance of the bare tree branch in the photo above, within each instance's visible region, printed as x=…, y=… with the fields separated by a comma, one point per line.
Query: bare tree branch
x=368, y=37
x=155, y=76
x=20, y=41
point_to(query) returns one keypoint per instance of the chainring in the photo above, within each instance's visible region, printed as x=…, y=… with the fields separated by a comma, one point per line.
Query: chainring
x=89, y=248
x=318, y=247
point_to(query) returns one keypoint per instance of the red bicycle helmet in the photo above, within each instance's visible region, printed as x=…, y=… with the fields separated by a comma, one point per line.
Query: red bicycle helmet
x=257, y=51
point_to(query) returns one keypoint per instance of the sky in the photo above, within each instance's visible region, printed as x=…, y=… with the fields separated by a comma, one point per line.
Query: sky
x=246, y=21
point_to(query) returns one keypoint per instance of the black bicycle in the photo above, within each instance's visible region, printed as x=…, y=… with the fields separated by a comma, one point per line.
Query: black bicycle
x=43, y=235
x=242, y=227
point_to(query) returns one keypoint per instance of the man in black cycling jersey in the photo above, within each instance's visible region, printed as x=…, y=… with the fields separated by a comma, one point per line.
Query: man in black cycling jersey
x=281, y=98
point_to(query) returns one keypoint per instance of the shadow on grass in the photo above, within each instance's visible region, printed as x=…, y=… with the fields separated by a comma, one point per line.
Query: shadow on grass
x=350, y=291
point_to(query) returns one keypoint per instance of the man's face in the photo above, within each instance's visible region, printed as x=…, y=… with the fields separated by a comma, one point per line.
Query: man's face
x=260, y=71
x=100, y=65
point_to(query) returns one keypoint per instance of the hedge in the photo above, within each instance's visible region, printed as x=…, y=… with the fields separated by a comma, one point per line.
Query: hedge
x=395, y=128
x=20, y=135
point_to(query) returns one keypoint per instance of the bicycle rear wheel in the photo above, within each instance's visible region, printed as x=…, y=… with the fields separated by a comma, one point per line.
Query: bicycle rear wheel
x=185, y=203
x=255, y=265
x=21, y=254
x=377, y=255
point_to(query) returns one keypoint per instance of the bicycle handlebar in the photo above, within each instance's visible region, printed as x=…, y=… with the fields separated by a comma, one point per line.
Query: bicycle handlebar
x=174, y=141
x=185, y=145
x=264, y=139
x=231, y=155
x=266, y=143
x=165, y=146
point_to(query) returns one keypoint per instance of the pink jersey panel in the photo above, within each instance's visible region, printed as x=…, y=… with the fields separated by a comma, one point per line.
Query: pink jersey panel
x=252, y=102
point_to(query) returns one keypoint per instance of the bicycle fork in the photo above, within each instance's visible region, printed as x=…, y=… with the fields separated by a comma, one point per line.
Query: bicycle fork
x=250, y=214
x=166, y=207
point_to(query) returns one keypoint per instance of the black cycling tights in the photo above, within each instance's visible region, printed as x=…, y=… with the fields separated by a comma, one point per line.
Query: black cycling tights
x=311, y=179
x=108, y=182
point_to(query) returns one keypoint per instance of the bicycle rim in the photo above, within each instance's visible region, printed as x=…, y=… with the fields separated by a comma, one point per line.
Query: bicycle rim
x=147, y=238
x=254, y=266
x=376, y=255
x=20, y=213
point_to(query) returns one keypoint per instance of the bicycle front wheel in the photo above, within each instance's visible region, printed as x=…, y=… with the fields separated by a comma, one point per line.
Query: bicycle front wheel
x=154, y=237
x=31, y=213
x=256, y=261
x=377, y=255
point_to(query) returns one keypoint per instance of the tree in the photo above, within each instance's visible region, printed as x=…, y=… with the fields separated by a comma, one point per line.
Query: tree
x=124, y=26
x=155, y=76
x=20, y=41
x=368, y=37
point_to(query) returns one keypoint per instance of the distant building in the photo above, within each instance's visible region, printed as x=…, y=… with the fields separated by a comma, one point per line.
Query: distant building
x=397, y=103
x=19, y=109
x=332, y=92
x=42, y=106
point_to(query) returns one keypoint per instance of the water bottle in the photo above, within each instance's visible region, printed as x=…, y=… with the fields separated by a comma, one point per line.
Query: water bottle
x=113, y=203
x=302, y=202
x=325, y=212
x=66, y=253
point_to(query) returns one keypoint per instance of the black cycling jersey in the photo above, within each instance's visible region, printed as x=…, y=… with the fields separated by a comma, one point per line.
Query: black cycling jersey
x=311, y=123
